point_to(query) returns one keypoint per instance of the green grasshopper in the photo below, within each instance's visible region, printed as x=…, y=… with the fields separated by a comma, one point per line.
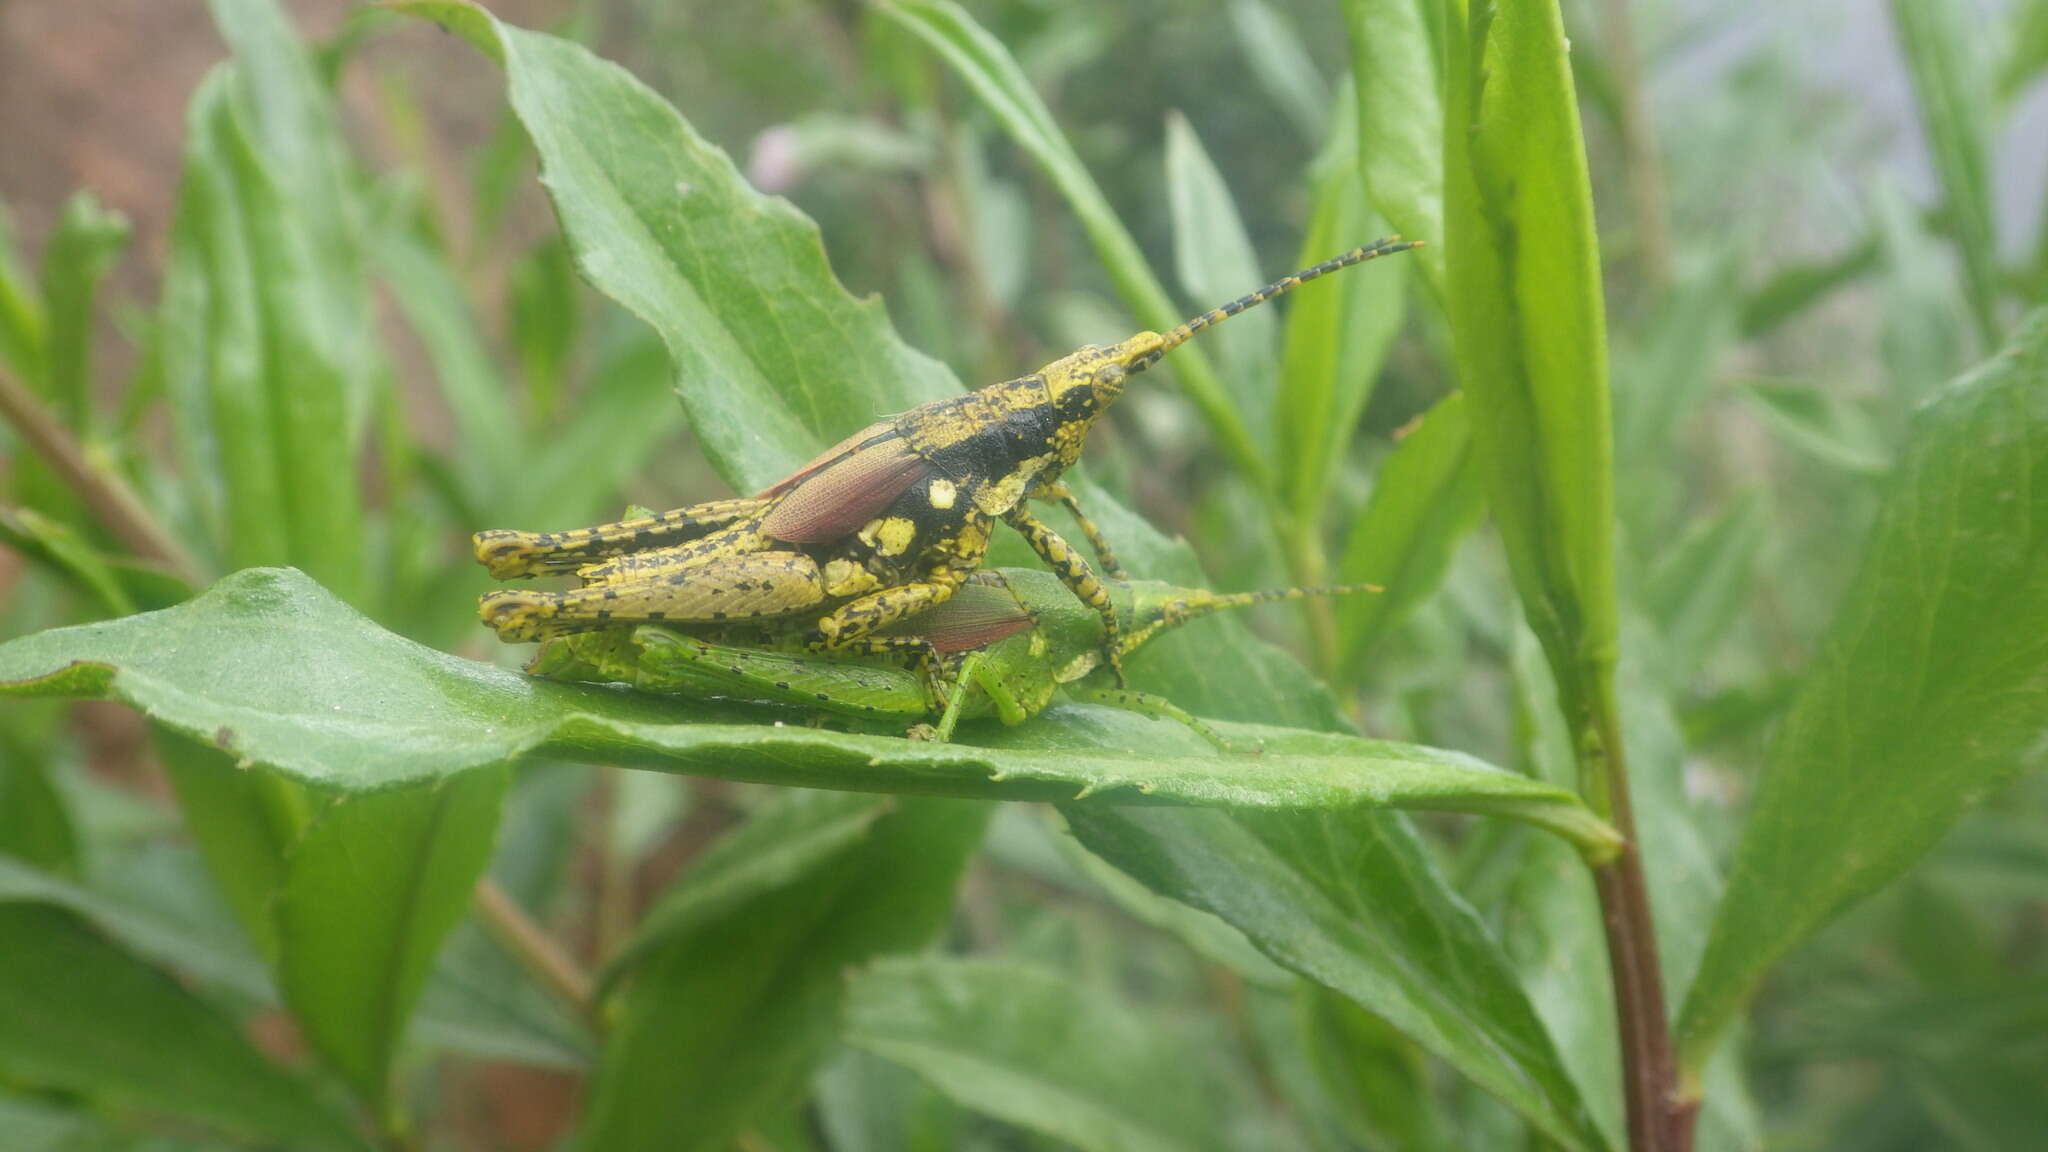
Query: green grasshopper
x=1007, y=643
x=886, y=524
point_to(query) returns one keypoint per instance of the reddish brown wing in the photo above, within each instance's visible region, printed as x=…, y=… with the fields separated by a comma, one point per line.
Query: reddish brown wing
x=977, y=615
x=835, y=502
x=880, y=431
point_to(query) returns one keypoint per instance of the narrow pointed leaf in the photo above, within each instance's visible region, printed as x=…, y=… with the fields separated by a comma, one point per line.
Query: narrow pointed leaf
x=1527, y=318
x=150, y=1043
x=1353, y=903
x=1930, y=691
x=1035, y=1048
x=724, y=1012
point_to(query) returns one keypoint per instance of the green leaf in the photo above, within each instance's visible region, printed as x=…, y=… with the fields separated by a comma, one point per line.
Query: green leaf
x=144, y=905
x=373, y=887
x=778, y=846
x=1001, y=86
x=79, y=1014
x=1930, y=692
x=1821, y=425
x=1698, y=589
x=724, y=1015
x=1032, y=1047
x=1395, y=49
x=1424, y=500
x=23, y=328
x=268, y=352
x=2026, y=51
x=414, y=268
x=268, y=667
x=243, y=822
x=1338, y=330
x=35, y=825
x=1214, y=260
x=764, y=341
x=1526, y=316
x=86, y=242
x=1352, y=902
x=1952, y=82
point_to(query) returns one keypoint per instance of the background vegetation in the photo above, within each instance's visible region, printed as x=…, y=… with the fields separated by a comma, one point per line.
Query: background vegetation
x=1729, y=506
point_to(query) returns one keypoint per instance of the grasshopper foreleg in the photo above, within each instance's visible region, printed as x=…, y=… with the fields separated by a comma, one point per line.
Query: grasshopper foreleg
x=1074, y=572
x=1058, y=490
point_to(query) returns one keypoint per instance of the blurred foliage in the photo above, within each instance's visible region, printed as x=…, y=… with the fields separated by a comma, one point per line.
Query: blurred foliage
x=1800, y=567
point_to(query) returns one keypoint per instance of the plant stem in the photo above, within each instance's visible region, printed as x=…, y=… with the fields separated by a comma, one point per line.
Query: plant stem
x=1658, y=1121
x=534, y=948
x=105, y=494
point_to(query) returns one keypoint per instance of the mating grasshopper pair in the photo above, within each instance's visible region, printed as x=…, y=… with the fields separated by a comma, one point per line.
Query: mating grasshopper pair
x=885, y=525
x=1006, y=644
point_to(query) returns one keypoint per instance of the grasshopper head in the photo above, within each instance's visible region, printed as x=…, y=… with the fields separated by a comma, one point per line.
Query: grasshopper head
x=1084, y=382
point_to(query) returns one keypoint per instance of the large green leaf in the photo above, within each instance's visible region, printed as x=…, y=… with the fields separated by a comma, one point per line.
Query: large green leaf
x=79, y=1014
x=1930, y=691
x=373, y=887
x=1033, y=1047
x=1353, y=903
x=268, y=351
x=1526, y=316
x=742, y=951
x=268, y=668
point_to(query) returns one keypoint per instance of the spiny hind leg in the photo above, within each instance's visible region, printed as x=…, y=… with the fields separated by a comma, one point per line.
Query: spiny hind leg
x=750, y=586
x=1073, y=571
x=509, y=554
x=1158, y=707
x=1058, y=490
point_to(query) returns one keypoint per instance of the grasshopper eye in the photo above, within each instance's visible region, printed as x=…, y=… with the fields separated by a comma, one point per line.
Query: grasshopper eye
x=1111, y=374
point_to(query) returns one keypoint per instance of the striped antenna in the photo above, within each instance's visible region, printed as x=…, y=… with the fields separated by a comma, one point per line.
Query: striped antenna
x=1185, y=332
x=1218, y=601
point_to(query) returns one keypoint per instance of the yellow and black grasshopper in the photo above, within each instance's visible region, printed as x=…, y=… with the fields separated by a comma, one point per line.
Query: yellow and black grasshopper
x=885, y=524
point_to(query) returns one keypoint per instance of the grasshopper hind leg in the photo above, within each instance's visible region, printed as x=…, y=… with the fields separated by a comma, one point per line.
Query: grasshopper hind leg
x=509, y=554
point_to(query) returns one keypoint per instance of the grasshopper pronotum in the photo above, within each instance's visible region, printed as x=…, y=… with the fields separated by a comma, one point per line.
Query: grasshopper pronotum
x=885, y=524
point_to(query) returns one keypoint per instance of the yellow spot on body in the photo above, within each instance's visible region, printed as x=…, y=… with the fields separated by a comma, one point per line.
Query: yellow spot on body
x=941, y=493
x=845, y=578
x=895, y=535
x=1037, y=645
x=866, y=535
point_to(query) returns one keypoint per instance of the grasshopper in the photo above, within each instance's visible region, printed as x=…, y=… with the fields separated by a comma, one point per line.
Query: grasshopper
x=886, y=524
x=1007, y=643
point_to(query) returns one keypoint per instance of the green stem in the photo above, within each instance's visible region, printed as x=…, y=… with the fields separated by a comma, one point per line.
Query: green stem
x=535, y=950
x=109, y=498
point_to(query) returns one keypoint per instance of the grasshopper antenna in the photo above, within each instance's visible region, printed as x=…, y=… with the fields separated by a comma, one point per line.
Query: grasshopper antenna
x=1181, y=335
x=1203, y=604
